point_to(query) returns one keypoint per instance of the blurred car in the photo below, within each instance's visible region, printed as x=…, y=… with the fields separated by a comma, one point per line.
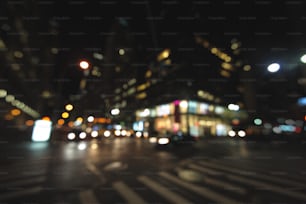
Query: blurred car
x=174, y=139
x=237, y=133
x=76, y=135
x=80, y=135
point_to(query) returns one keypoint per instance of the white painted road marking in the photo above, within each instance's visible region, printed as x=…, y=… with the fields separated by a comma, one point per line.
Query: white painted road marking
x=163, y=191
x=259, y=184
x=217, y=183
x=261, y=176
x=205, y=192
x=93, y=169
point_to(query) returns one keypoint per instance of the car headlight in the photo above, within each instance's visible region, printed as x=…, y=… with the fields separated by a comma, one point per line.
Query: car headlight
x=153, y=140
x=94, y=133
x=138, y=134
x=163, y=141
x=82, y=135
x=117, y=133
x=241, y=133
x=71, y=136
x=231, y=133
x=107, y=133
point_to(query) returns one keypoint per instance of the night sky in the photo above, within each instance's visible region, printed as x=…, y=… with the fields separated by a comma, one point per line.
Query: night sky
x=268, y=31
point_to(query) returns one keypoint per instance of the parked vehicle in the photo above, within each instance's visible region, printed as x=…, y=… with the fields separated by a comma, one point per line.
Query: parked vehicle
x=175, y=139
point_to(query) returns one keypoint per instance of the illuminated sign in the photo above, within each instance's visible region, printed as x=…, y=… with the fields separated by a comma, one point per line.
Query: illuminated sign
x=203, y=108
x=302, y=101
x=102, y=120
x=219, y=110
x=192, y=106
x=41, y=130
x=163, y=110
x=138, y=126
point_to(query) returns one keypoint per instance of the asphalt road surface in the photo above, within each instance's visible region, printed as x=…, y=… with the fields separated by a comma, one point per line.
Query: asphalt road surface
x=132, y=170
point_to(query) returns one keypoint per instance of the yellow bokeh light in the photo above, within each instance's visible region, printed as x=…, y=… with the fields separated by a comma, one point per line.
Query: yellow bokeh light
x=69, y=107
x=225, y=73
x=247, y=68
x=121, y=51
x=227, y=66
x=80, y=119
x=168, y=62
x=18, y=54
x=223, y=56
x=227, y=59
x=141, y=95
x=3, y=93
x=214, y=50
x=65, y=115
x=141, y=87
x=184, y=104
x=234, y=46
x=163, y=55
x=15, y=112
x=148, y=74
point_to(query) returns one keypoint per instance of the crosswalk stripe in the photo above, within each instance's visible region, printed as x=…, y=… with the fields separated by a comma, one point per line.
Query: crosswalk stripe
x=279, y=178
x=220, y=184
x=205, y=170
x=252, y=163
x=93, y=169
x=127, y=193
x=88, y=197
x=163, y=191
x=205, y=192
x=264, y=185
x=253, y=174
x=15, y=194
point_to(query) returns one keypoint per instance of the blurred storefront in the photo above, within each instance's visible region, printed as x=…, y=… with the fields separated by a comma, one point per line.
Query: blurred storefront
x=196, y=118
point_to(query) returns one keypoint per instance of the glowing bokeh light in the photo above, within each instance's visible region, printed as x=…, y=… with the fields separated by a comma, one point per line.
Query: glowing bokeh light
x=69, y=107
x=84, y=64
x=274, y=67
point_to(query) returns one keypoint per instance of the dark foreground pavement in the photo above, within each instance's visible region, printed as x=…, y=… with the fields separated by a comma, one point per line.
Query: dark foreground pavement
x=130, y=170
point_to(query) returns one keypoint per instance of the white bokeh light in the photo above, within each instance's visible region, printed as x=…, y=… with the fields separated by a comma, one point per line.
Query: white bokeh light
x=274, y=67
x=303, y=59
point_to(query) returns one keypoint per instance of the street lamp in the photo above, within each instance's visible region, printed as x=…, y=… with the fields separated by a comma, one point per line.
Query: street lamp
x=84, y=64
x=115, y=111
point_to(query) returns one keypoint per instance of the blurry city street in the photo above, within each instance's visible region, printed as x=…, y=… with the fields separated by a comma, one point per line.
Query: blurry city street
x=132, y=170
x=139, y=101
